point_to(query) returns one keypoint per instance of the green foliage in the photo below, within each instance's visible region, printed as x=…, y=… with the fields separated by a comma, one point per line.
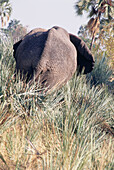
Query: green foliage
x=103, y=43
x=2, y=1
x=69, y=128
x=83, y=5
x=6, y=58
x=101, y=73
x=5, y=12
x=100, y=13
x=16, y=30
x=13, y=24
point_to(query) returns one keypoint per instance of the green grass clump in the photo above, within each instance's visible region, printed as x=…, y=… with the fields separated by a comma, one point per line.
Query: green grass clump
x=102, y=74
x=69, y=128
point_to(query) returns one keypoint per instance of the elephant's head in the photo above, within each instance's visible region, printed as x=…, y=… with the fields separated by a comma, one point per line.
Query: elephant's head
x=52, y=56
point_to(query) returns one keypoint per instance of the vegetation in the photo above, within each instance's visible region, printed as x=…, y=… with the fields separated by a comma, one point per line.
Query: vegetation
x=103, y=43
x=5, y=11
x=100, y=14
x=16, y=30
x=69, y=128
x=93, y=7
x=98, y=32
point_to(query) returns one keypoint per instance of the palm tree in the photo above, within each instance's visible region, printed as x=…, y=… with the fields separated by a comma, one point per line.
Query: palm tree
x=5, y=12
x=99, y=11
x=93, y=6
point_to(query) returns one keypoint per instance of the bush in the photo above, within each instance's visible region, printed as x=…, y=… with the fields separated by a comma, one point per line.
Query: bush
x=101, y=73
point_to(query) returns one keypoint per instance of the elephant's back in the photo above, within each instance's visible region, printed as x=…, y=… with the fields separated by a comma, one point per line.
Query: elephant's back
x=30, y=50
x=36, y=30
x=58, y=57
x=50, y=54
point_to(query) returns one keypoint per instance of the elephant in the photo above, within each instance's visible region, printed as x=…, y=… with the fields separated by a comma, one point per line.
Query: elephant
x=51, y=56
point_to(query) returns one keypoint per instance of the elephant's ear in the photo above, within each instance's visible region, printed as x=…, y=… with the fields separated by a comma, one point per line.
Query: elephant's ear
x=84, y=57
x=15, y=46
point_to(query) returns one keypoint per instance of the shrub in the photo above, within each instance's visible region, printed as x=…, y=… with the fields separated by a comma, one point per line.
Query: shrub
x=101, y=73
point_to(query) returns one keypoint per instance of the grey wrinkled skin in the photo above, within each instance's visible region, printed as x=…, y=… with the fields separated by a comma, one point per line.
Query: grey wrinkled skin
x=51, y=56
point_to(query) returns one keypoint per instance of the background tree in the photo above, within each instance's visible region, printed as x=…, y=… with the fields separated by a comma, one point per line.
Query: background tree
x=100, y=26
x=92, y=7
x=5, y=11
x=16, y=30
x=99, y=11
x=106, y=41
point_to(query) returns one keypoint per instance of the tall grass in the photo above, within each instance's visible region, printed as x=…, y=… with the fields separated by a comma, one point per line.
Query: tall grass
x=69, y=128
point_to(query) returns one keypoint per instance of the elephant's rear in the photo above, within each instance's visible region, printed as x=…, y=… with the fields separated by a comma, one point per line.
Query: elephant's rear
x=58, y=59
x=50, y=55
x=29, y=53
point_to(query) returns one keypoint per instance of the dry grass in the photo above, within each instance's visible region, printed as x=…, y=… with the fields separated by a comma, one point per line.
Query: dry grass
x=51, y=154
